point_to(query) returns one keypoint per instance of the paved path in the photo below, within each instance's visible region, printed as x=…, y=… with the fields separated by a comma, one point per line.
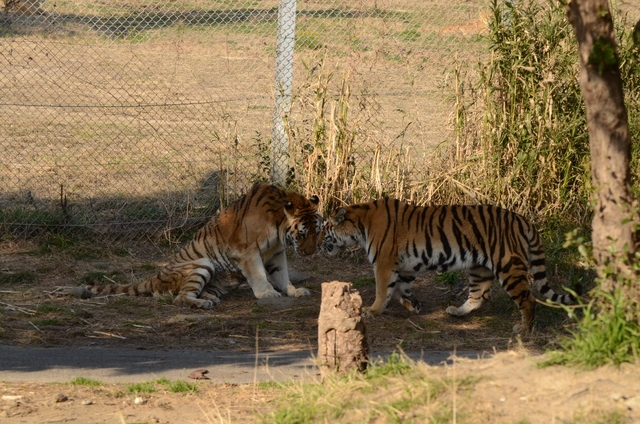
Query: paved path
x=18, y=364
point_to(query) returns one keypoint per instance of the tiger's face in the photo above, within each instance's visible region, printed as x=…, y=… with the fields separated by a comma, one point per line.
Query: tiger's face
x=305, y=225
x=338, y=232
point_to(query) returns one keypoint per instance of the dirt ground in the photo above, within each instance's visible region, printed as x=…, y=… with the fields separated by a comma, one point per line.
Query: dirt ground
x=510, y=389
x=37, y=309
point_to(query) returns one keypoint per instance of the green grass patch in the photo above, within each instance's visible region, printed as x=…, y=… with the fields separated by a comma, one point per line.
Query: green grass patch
x=450, y=278
x=363, y=281
x=601, y=417
x=144, y=387
x=47, y=321
x=181, y=386
x=607, y=333
x=47, y=307
x=177, y=386
x=131, y=324
x=57, y=243
x=164, y=299
x=257, y=309
x=409, y=35
x=273, y=384
x=308, y=41
x=395, y=365
x=87, y=382
x=393, y=391
x=18, y=277
x=149, y=267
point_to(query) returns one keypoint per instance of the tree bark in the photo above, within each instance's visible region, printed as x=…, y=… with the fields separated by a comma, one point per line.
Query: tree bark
x=342, y=342
x=614, y=241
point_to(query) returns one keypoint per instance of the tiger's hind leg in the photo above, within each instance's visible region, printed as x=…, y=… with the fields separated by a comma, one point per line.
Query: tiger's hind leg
x=195, y=276
x=212, y=289
x=516, y=283
x=404, y=295
x=480, y=281
x=386, y=277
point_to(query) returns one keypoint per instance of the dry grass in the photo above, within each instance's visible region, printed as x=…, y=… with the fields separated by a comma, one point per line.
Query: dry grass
x=507, y=387
x=132, y=125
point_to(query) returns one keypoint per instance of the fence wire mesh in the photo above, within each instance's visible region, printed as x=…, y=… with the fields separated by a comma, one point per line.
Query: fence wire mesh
x=127, y=118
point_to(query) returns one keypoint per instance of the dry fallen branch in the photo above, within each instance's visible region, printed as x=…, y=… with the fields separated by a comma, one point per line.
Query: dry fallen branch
x=18, y=309
x=103, y=333
x=35, y=326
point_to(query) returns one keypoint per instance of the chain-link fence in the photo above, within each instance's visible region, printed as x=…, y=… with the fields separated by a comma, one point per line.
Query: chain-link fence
x=128, y=118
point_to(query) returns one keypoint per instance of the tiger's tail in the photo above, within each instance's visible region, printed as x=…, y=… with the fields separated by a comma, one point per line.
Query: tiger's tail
x=539, y=272
x=140, y=289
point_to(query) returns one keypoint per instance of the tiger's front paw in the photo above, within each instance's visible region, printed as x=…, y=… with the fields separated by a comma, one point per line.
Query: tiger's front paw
x=206, y=304
x=297, y=292
x=412, y=304
x=452, y=310
x=208, y=296
x=268, y=293
x=522, y=330
x=369, y=311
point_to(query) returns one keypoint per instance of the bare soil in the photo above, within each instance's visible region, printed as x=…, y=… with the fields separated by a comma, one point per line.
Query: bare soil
x=37, y=309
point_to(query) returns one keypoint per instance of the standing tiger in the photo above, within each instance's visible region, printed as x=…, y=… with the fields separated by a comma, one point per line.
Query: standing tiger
x=402, y=239
x=248, y=237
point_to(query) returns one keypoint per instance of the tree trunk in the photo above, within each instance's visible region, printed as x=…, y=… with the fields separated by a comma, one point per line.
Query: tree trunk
x=614, y=241
x=342, y=342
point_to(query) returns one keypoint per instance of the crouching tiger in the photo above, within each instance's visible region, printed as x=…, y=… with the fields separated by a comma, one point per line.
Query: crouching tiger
x=248, y=237
x=402, y=239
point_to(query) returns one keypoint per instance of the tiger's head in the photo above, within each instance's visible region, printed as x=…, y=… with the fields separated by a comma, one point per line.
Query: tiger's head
x=304, y=223
x=339, y=231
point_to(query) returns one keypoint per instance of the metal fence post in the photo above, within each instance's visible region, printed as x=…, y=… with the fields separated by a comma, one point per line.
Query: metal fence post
x=284, y=77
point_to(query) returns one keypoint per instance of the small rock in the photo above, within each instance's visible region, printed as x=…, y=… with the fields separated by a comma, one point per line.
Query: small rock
x=139, y=401
x=11, y=397
x=618, y=396
x=199, y=374
x=81, y=292
x=87, y=402
x=60, y=397
x=633, y=403
x=297, y=277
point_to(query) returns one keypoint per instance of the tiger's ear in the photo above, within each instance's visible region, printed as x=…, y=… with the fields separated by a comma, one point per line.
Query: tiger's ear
x=289, y=207
x=315, y=200
x=338, y=217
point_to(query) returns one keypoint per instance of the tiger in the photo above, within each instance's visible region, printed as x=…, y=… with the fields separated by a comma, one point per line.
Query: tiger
x=402, y=239
x=246, y=239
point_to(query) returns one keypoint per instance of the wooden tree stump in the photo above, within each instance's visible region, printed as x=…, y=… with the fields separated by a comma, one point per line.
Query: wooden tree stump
x=342, y=342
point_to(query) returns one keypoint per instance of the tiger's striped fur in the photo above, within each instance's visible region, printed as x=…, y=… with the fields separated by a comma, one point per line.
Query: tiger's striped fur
x=402, y=239
x=249, y=237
